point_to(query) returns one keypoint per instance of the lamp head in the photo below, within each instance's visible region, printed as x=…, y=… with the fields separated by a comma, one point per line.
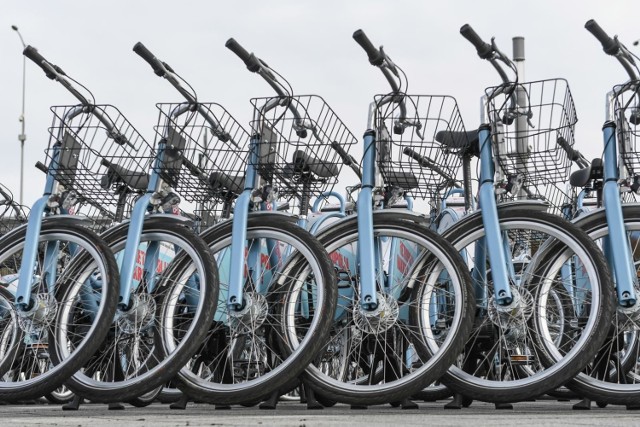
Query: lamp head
x=14, y=28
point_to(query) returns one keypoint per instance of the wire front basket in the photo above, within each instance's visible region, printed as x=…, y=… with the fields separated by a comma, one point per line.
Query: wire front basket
x=12, y=214
x=627, y=113
x=95, y=151
x=528, y=120
x=295, y=152
x=557, y=196
x=206, y=154
x=410, y=157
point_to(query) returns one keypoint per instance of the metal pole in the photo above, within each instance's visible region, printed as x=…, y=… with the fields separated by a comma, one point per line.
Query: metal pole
x=522, y=126
x=22, y=137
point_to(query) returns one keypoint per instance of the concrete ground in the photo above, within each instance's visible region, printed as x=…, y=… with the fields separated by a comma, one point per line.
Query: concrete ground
x=537, y=413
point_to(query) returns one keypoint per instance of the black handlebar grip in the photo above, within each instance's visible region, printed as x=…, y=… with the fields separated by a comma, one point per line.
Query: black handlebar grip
x=485, y=50
x=573, y=155
x=146, y=54
x=41, y=166
x=375, y=56
x=33, y=54
x=346, y=159
x=609, y=46
x=249, y=59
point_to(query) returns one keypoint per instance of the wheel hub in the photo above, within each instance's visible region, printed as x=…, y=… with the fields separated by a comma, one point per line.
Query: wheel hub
x=379, y=320
x=251, y=316
x=629, y=317
x=39, y=316
x=512, y=317
x=140, y=316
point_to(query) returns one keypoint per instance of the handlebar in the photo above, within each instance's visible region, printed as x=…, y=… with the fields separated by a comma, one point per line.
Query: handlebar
x=258, y=66
x=613, y=47
x=376, y=57
x=250, y=60
x=574, y=155
x=42, y=167
x=347, y=159
x=53, y=72
x=33, y=54
x=485, y=50
x=609, y=45
x=491, y=53
x=146, y=54
x=56, y=73
x=162, y=69
x=426, y=162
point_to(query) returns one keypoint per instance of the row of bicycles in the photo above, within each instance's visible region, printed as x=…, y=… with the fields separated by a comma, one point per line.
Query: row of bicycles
x=501, y=286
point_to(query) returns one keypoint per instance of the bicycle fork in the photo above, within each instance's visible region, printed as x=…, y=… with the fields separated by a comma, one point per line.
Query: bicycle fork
x=502, y=271
x=618, y=255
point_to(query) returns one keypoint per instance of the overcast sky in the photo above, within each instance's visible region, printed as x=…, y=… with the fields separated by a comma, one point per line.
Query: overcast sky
x=308, y=42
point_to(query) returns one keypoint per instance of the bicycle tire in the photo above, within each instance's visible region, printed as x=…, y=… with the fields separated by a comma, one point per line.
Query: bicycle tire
x=191, y=258
x=409, y=291
x=246, y=375
x=528, y=377
x=81, y=252
x=621, y=382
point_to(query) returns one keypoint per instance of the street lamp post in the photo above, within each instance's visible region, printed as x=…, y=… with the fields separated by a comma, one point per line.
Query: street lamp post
x=22, y=137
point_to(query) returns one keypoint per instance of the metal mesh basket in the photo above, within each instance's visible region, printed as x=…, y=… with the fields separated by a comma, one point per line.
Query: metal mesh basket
x=212, y=148
x=413, y=159
x=295, y=153
x=532, y=152
x=98, y=217
x=12, y=214
x=95, y=159
x=555, y=195
x=627, y=113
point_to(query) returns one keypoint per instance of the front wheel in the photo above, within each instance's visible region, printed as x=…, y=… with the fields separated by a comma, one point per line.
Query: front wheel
x=289, y=299
x=172, y=300
x=613, y=375
x=66, y=306
x=562, y=309
x=421, y=323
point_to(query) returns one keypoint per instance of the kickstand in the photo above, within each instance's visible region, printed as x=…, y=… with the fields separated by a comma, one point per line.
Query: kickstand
x=409, y=404
x=310, y=398
x=459, y=401
x=271, y=402
x=180, y=404
x=74, y=405
x=583, y=405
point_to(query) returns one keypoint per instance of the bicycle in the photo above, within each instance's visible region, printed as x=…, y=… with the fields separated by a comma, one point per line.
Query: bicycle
x=403, y=290
x=536, y=326
x=612, y=375
x=277, y=283
x=54, y=262
x=168, y=280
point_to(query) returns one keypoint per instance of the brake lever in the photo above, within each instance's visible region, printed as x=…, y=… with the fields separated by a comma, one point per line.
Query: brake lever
x=405, y=123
